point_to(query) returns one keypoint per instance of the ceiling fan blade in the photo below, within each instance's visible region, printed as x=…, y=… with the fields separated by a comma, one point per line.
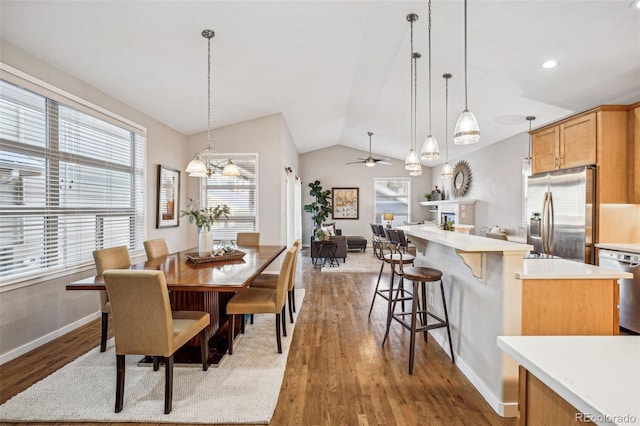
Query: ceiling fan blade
x=356, y=162
x=386, y=163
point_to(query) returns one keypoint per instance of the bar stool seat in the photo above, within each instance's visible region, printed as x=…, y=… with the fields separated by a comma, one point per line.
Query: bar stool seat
x=420, y=276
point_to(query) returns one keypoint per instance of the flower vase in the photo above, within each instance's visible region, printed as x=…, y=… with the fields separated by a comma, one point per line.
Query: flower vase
x=205, y=241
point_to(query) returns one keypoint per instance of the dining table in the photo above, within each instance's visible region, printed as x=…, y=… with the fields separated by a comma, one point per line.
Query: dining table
x=203, y=286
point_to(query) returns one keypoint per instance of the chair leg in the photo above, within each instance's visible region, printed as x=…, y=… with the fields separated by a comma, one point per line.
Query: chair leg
x=446, y=318
x=283, y=317
x=424, y=309
x=242, y=323
x=291, y=297
x=412, y=338
x=119, y=382
x=251, y=321
x=375, y=292
x=168, y=383
x=105, y=329
x=391, y=304
x=279, y=341
x=156, y=363
x=232, y=321
x=204, y=349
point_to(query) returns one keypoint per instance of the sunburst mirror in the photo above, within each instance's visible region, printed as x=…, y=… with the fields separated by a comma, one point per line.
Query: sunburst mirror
x=461, y=179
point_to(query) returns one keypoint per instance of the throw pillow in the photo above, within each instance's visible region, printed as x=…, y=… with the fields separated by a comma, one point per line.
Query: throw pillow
x=330, y=230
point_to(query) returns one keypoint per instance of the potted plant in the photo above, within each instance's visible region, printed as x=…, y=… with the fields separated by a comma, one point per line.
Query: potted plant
x=321, y=207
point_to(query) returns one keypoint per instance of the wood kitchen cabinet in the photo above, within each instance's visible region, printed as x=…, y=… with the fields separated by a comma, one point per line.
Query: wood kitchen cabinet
x=599, y=136
x=634, y=158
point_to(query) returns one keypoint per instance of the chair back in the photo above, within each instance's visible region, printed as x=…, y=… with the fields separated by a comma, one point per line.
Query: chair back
x=141, y=312
x=292, y=275
x=248, y=239
x=402, y=239
x=156, y=248
x=283, y=277
x=381, y=231
x=110, y=258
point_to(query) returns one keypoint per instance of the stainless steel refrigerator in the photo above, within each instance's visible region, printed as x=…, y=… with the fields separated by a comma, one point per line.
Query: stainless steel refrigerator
x=562, y=213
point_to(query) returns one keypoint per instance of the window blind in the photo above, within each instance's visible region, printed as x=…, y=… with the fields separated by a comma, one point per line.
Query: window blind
x=70, y=183
x=238, y=192
x=392, y=195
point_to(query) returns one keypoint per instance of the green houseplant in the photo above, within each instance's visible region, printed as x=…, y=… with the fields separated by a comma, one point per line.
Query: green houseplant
x=321, y=207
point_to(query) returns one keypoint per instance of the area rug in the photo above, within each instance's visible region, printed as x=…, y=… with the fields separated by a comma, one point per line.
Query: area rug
x=243, y=389
x=357, y=262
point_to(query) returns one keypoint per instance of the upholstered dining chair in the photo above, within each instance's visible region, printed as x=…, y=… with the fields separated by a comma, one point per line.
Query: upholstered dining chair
x=144, y=325
x=253, y=300
x=109, y=258
x=248, y=239
x=156, y=248
x=267, y=280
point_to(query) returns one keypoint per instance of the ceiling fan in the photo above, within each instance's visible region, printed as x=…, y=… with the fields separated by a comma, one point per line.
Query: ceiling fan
x=370, y=161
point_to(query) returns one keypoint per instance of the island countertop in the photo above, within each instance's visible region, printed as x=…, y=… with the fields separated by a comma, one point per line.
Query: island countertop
x=562, y=269
x=463, y=242
x=598, y=375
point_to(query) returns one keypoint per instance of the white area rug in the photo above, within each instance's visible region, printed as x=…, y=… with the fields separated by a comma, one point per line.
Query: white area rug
x=243, y=389
x=357, y=262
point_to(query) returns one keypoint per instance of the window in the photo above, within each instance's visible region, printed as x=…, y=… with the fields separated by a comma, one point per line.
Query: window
x=70, y=182
x=240, y=193
x=392, y=195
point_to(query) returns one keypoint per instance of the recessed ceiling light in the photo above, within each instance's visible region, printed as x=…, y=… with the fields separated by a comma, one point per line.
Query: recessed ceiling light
x=550, y=64
x=635, y=4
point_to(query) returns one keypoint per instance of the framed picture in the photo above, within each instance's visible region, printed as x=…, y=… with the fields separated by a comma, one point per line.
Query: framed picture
x=168, y=197
x=345, y=203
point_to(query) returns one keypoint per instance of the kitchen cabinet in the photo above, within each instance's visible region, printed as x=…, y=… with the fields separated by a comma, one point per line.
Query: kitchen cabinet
x=634, y=158
x=599, y=136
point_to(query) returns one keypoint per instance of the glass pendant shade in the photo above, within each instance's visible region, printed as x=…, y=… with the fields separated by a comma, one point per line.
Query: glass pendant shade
x=230, y=169
x=412, y=161
x=447, y=171
x=430, y=149
x=526, y=167
x=466, y=131
x=198, y=175
x=196, y=166
x=416, y=172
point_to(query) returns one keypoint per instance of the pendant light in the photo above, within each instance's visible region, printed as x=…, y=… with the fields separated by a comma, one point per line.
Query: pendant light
x=412, y=161
x=202, y=164
x=467, y=130
x=447, y=170
x=430, y=149
x=526, y=163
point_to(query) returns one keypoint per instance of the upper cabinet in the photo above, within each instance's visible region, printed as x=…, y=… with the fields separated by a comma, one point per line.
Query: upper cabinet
x=599, y=136
x=634, y=158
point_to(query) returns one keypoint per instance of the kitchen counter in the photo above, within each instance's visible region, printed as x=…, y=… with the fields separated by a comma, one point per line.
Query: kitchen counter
x=631, y=248
x=545, y=269
x=598, y=375
x=492, y=291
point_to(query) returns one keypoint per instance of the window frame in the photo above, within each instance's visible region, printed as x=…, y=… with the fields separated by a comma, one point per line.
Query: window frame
x=406, y=180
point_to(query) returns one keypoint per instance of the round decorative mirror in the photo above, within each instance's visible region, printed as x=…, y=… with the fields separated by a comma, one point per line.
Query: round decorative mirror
x=461, y=179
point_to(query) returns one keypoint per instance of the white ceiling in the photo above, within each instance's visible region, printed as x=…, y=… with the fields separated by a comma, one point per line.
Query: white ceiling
x=336, y=69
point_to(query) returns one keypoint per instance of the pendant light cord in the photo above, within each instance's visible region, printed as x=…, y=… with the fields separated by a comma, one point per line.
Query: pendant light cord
x=429, y=28
x=446, y=115
x=209, y=92
x=413, y=98
x=466, y=107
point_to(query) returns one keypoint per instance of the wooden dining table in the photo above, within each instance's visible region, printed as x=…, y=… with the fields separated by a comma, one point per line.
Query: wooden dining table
x=202, y=287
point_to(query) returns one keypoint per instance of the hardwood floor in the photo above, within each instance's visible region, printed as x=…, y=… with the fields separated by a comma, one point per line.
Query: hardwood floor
x=337, y=372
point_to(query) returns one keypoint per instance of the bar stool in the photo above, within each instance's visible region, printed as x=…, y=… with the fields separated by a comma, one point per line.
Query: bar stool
x=420, y=276
x=393, y=257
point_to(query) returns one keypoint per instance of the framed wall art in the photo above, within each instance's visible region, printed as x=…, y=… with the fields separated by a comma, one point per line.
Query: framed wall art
x=345, y=202
x=168, y=197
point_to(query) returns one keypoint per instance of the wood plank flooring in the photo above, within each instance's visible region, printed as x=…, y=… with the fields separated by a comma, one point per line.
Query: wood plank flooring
x=337, y=372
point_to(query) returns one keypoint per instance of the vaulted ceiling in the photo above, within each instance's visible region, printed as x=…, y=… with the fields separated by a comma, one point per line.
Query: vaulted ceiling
x=337, y=69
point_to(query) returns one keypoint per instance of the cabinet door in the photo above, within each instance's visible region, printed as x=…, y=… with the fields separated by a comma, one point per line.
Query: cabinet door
x=545, y=150
x=578, y=141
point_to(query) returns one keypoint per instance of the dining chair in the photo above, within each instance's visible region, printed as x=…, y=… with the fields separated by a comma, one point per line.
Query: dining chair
x=144, y=325
x=109, y=258
x=270, y=280
x=253, y=300
x=156, y=248
x=248, y=239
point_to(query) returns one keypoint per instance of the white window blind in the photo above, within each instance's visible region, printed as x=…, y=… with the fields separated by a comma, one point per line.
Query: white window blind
x=240, y=193
x=392, y=195
x=70, y=183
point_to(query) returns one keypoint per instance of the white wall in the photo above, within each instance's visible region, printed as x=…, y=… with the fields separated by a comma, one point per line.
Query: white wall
x=33, y=315
x=329, y=167
x=496, y=182
x=268, y=137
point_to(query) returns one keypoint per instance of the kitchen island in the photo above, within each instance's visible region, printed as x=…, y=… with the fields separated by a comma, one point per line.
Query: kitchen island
x=483, y=281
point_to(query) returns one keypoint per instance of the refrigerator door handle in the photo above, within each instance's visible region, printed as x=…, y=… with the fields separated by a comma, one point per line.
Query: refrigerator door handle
x=552, y=225
x=543, y=223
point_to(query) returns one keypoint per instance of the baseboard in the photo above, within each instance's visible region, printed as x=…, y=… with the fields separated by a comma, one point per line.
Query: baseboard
x=503, y=409
x=15, y=353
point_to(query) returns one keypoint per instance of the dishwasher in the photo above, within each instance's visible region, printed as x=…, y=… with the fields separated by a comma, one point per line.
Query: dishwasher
x=629, y=287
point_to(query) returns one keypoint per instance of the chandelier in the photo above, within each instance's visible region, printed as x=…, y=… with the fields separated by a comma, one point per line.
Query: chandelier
x=205, y=164
x=430, y=149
